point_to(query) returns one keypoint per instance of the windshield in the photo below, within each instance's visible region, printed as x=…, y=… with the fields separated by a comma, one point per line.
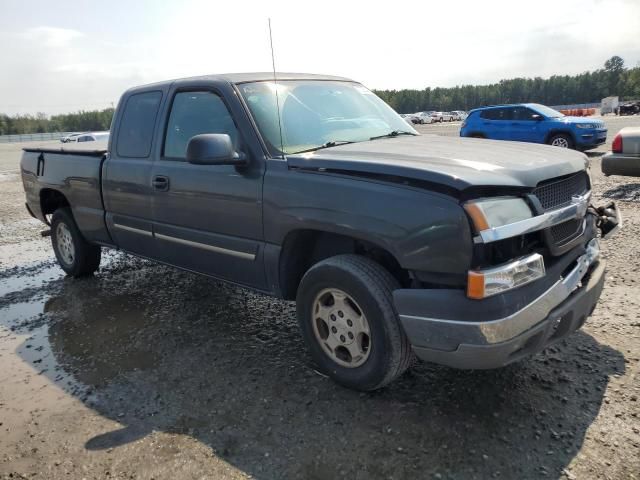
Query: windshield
x=318, y=113
x=546, y=111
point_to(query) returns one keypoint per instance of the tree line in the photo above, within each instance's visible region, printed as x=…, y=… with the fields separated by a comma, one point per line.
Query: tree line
x=82, y=121
x=588, y=87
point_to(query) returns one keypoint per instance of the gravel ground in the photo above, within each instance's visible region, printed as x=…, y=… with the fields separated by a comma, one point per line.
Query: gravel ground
x=148, y=372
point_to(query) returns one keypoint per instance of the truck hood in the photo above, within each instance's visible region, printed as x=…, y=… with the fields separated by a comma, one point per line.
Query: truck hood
x=452, y=162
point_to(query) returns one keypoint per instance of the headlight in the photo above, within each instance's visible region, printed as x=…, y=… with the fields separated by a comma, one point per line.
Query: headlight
x=585, y=125
x=491, y=281
x=495, y=212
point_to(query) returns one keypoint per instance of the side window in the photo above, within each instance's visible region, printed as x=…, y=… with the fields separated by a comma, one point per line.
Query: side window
x=523, y=113
x=489, y=114
x=495, y=114
x=136, y=126
x=193, y=113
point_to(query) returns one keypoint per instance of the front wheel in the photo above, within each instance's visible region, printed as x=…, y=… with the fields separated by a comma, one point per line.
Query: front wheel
x=561, y=140
x=349, y=324
x=76, y=256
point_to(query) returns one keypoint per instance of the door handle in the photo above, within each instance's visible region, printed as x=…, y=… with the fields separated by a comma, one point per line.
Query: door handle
x=161, y=183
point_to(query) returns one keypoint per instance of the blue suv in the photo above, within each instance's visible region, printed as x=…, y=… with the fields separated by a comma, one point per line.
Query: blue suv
x=530, y=122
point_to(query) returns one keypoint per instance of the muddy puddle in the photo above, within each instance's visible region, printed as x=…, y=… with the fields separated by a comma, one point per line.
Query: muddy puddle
x=66, y=325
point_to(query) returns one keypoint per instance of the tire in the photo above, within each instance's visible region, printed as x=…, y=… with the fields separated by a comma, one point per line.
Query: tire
x=561, y=140
x=441, y=119
x=384, y=353
x=75, y=255
x=477, y=135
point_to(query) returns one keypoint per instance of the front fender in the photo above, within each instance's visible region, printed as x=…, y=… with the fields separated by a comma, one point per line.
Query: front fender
x=423, y=230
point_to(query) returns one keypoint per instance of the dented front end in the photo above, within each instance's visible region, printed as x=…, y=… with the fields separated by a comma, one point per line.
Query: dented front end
x=536, y=276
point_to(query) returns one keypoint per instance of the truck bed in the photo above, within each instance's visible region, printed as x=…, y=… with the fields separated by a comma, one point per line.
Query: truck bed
x=73, y=171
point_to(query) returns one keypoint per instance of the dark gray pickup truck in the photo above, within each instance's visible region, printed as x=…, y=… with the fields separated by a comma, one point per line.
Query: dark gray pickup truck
x=467, y=252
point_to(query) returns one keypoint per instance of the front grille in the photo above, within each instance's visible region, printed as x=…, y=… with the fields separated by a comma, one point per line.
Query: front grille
x=557, y=193
x=566, y=231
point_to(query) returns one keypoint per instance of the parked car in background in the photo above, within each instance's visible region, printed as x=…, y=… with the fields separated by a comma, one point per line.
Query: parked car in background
x=629, y=108
x=424, y=117
x=459, y=115
x=531, y=122
x=410, y=118
x=89, y=137
x=71, y=137
x=437, y=116
x=624, y=157
x=442, y=116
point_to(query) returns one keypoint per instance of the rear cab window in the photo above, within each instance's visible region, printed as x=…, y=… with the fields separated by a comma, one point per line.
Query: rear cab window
x=135, y=133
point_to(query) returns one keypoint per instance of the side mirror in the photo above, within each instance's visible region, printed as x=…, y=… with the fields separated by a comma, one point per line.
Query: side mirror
x=537, y=117
x=213, y=149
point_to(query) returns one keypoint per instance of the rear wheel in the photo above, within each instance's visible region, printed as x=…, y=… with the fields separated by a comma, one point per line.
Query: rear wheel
x=348, y=321
x=561, y=140
x=76, y=256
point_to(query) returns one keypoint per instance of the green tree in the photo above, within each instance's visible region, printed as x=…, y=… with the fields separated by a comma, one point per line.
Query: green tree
x=586, y=87
x=614, y=65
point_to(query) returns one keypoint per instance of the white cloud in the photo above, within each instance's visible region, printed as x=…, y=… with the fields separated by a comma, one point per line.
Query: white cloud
x=52, y=37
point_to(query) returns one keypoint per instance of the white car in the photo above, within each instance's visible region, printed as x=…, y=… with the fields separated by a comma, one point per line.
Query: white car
x=459, y=115
x=88, y=137
x=71, y=137
x=424, y=117
x=442, y=116
x=410, y=118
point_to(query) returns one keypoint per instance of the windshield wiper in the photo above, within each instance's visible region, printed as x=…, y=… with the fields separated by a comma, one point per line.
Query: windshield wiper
x=393, y=133
x=333, y=143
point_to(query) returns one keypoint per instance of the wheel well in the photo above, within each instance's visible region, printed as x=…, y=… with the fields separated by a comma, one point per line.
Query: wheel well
x=302, y=249
x=51, y=200
x=560, y=132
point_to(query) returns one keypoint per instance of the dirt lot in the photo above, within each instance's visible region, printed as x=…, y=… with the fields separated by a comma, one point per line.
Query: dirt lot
x=148, y=372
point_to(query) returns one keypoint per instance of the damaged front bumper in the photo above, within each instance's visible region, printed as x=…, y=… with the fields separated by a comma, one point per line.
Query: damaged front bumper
x=445, y=326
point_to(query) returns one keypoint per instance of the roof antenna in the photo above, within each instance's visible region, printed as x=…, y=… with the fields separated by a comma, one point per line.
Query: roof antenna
x=275, y=84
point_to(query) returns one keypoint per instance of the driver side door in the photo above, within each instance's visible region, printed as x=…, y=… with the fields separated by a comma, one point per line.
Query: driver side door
x=207, y=218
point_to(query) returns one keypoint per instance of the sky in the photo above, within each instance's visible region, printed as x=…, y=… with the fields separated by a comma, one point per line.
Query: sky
x=61, y=56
